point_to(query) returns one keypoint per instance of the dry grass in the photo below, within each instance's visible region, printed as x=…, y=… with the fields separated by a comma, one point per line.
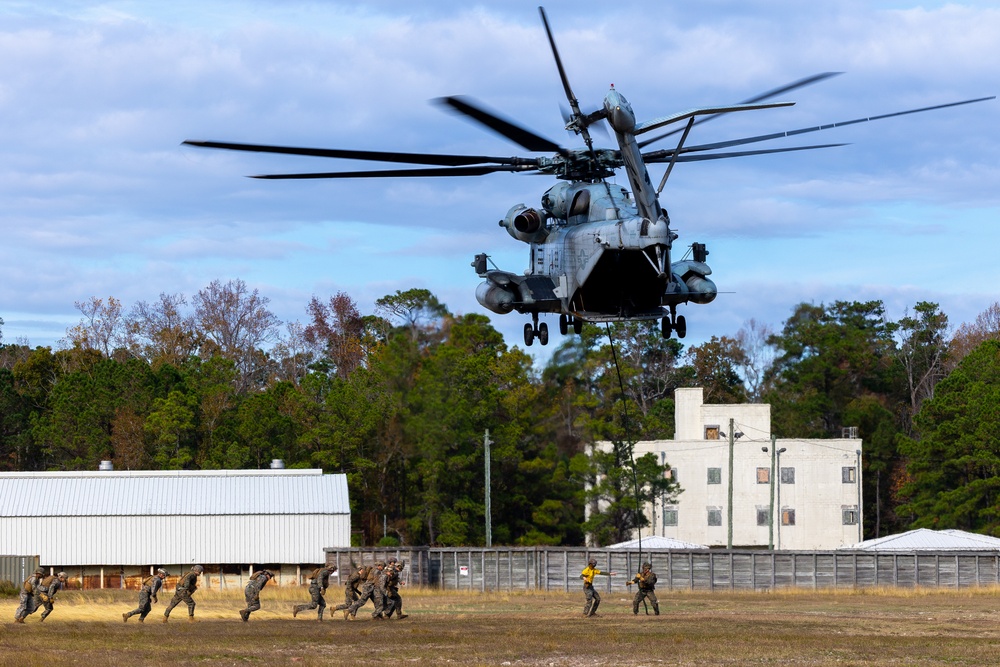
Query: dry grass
x=870, y=627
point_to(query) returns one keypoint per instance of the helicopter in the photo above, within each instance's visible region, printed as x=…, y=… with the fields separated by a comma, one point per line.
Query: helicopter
x=598, y=252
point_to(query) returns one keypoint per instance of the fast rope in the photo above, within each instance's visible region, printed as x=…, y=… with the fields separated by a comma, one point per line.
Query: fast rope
x=629, y=444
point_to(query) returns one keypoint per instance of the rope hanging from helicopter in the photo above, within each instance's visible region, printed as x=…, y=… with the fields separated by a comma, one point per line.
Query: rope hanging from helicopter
x=629, y=445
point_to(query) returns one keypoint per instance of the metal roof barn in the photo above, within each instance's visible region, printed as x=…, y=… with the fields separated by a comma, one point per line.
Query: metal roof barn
x=144, y=517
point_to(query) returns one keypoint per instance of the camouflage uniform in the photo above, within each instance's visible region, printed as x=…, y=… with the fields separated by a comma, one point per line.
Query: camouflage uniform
x=147, y=595
x=257, y=582
x=319, y=580
x=646, y=581
x=27, y=605
x=373, y=589
x=185, y=587
x=45, y=592
x=351, y=593
x=393, y=603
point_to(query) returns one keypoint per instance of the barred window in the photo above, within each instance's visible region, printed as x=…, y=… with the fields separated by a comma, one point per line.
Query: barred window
x=670, y=515
x=849, y=475
x=763, y=475
x=787, y=517
x=850, y=513
x=763, y=516
x=788, y=475
x=715, y=475
x=714, y=516
x=711, y=432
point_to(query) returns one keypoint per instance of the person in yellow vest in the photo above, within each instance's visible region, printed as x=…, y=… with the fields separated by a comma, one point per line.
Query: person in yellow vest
x=593, y=597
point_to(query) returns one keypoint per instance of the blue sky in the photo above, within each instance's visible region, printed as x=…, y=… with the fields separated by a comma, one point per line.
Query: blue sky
x=100, y=199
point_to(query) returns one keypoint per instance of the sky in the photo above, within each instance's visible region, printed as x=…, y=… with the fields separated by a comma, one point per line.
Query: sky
x=99, y=197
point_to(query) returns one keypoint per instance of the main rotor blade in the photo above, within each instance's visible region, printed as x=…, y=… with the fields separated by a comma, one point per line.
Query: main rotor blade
x=655, y=155
x=400, y=173
x=578, y=121
x=725, y=156
x=374, y=156
x=787, y=88
x=516, y=133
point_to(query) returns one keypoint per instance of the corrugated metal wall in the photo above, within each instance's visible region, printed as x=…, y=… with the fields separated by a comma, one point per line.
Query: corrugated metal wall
x=16, y=569
x=145, y=540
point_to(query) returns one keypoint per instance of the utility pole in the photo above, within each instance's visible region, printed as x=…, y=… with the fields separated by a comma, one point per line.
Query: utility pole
x=770, y=515
x=778, y=484
x=489, y=518
x=732, y=439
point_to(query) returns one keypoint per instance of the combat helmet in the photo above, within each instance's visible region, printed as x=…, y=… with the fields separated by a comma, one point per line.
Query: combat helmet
x=197, y=568
x=161, y=571
x=647, y=566
x=592, y=562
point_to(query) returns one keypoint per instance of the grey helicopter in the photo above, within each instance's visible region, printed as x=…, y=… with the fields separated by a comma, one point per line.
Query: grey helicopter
x=598, y=252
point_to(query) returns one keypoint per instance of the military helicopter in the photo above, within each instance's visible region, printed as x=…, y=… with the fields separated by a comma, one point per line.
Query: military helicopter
x=598, y=252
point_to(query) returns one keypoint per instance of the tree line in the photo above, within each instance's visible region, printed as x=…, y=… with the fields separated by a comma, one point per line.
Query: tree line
x=400, y=401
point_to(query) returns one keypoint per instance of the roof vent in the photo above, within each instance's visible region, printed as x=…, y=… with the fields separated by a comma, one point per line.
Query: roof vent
x=277, y=464
x=106, y=465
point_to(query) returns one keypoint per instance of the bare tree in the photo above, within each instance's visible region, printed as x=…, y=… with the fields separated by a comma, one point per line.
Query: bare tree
x=167, y=335
x=969, y=336
x=291, y=354
x=103, y=328
x=336, y=331
x=235, y=323
x=757, y=358
x=922, y=351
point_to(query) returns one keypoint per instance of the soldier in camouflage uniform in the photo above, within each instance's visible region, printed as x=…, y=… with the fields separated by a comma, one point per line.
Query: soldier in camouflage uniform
x=257, y=582
x=372, y=589
x=147, y=595
x=393, y=603
x=351, y=593
x=27, y=601
x=45, y=592
x=646, y=581
x=185, y=587
x=318, y=582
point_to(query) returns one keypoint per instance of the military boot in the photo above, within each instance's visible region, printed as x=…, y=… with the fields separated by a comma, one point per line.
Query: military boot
x=166, y=618
x=124, y=618
x=191, y=619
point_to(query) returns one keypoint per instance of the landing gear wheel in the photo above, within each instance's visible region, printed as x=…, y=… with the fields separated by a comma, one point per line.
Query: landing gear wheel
x=577, y=325
x=543, y=333
x=563, y=324
x=665, y=327
x=680, y=326
x=529, y=334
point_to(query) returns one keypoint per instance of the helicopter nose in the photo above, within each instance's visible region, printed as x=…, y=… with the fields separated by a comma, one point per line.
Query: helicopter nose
x=619, y=112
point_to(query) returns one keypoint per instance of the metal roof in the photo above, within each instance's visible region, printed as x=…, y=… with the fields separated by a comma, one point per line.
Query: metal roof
x=173, y=493
x=656, y=542
x=925, y=539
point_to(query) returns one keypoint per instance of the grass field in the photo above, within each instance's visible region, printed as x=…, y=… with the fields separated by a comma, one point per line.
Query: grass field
x=881, y=627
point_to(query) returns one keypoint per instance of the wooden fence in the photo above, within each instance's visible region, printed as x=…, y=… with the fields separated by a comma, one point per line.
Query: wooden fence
x=552, y=569
x=16, y=569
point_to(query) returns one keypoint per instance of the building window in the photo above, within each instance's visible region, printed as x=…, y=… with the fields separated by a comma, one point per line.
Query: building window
x=763, y=516
x=711, y=432
x=714, y=516
x=850, y=513
x=670, y=515
x=715, y=475
x=788, y=476
x=787, y=517
x=849, y=475
x=763, y=475
x=671, y=474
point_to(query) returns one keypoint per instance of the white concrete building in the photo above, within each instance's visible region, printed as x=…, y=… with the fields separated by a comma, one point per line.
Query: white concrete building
x=108, y=526
x=816, y=489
